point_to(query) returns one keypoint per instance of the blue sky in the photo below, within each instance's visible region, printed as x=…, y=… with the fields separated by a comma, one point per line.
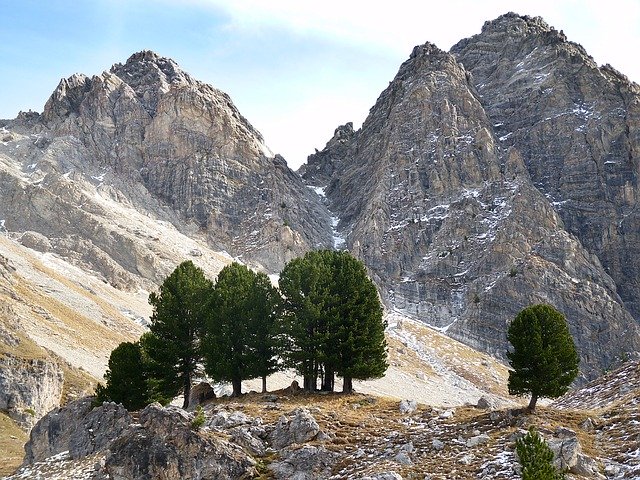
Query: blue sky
x=295, y=69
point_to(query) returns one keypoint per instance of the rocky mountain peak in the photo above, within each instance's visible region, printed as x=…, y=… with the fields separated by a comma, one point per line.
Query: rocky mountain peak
x=150, y=75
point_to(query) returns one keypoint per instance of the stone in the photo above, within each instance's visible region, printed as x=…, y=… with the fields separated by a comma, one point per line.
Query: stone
x=437, y=444
x=484, y=403
x=200, y=393
x=402, y=458
x=164, y=446
x=29, y=388
x=408, y=406
x=246, y=438
x=383, y=476
x=51, y=435
x=301, y=427
x=305, y=463
x=477, y=440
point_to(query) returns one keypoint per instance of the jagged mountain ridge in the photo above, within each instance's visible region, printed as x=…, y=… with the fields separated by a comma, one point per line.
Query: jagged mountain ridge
x=451, y=218
x=148, y=135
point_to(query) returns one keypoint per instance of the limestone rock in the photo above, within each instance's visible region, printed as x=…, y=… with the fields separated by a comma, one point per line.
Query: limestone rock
x=408, y=406
x=301, y=427
x=451, y=219
x=165, y=447
x=577, y=128
x=477, y=440
x=305, y=463
x=383, y=476
x=29, y=388
x=200, y=393
x=51, y=435
x=485, y=404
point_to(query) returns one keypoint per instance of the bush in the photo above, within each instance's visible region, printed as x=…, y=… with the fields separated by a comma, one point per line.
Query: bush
x=536, y=458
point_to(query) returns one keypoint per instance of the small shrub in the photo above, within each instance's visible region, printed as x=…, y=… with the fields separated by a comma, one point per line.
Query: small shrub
x=198, y=419
x=536, y=458
x=513, y=272
x=30, y=411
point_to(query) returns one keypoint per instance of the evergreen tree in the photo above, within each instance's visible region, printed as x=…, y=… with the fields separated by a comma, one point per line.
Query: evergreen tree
x=356, y=333
x=305, y=285
x=241, y=339
x=126, y=378
x=543, y=358
x=177, y=323
x=334, y=319
x=536, y=458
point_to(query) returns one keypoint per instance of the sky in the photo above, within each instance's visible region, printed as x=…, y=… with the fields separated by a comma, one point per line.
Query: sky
x=295, y=69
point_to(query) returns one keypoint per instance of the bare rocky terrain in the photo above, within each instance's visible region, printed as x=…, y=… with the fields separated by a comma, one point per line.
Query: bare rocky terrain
x=487, y=178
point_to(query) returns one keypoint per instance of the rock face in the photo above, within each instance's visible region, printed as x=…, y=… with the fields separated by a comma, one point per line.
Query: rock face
x=165, y=447
x=577, y=127
x=451, y=219
x=29, y=388
x=147, y=137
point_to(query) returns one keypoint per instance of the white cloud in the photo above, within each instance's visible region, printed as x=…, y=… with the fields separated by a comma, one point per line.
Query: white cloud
x=609, y=30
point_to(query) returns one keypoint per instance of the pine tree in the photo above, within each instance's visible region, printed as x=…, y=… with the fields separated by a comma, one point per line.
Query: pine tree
x=242, y=327
x=177, y=323
x=304, y=283
x=126, y=378
x=355, y=335
x=335, y=319
x=543, y=358
x=536, y=458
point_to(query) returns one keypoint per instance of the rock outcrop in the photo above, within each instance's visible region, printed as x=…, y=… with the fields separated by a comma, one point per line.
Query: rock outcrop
x=450, y=223
x=29, y=388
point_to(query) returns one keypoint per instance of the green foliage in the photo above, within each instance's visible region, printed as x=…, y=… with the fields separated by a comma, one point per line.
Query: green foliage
x=177, y=323
x=198, y=419
x=536, y=458
x=242, y=327
x=126, y=378
x=333, y=319
x=543, y=358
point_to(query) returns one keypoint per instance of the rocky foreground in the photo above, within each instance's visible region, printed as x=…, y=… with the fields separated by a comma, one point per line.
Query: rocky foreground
x=292, y=434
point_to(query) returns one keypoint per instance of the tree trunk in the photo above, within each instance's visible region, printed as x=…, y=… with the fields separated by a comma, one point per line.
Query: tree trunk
x=347, y=386
x=532, y=403
x=308, y=383
x=187, y=390
x=328, y=380
x=237, y=387
x=264, y=384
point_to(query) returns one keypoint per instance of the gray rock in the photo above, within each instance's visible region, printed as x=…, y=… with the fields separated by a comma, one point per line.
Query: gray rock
x=164, y=446
x=29, y=388
x=383, y=476
x=200, y=393
x=477, y=440
x=249, y=439
x=437, y=444
x=403, y=458
x=301, y=427
x=485, y=404
x=408, y=406
x=51, y=435
x=97, y=429
x=305, y=463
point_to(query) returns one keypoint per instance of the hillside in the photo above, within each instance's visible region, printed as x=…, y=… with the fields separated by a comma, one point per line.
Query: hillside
x=354, y=436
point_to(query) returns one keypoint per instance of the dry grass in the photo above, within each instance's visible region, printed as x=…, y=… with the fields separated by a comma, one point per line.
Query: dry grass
x=12, y=440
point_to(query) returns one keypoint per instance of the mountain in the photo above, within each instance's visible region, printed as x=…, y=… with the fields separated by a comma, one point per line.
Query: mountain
x=149, y=138
x=440, y=191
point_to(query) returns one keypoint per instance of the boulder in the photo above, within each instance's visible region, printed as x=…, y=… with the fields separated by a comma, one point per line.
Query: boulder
x=200, y=394
x=305, y=463
x=383, y=476
x=52, y=433
x=477, y=440
x=408, y=406
x=165, y=447
x=302, y=427
x=485, y=404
